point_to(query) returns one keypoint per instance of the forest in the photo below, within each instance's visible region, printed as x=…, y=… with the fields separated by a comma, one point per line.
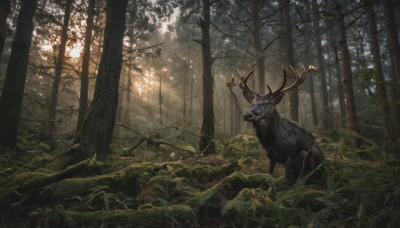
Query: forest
x=171, y=113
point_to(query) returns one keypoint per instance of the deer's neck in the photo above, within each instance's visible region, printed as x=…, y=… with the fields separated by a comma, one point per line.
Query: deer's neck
x=268, y=129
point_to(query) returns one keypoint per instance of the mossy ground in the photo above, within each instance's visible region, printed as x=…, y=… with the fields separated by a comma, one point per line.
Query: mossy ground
x=229, y=189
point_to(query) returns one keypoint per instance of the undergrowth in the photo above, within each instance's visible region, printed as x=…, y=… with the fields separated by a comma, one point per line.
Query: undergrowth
x=229, y=189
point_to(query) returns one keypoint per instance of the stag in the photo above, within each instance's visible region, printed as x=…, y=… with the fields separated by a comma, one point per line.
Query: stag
x=285, y=141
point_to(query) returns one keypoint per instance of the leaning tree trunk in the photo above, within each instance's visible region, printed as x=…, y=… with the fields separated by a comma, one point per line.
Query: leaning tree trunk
x=288, y=50
x=97, y=129
x=347, y=80
x=4, y=11
x=83, y=98
x=206, y=143
x=257, y=45
x=327, y=122
x=13, y=89
x=59, y=65
x=391, y=28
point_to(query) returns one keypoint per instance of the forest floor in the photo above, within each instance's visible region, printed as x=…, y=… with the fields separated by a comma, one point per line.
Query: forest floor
x=229, y=189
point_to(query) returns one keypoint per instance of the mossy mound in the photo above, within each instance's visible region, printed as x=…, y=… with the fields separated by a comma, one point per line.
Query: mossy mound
x=155, y=217
x=210, y=191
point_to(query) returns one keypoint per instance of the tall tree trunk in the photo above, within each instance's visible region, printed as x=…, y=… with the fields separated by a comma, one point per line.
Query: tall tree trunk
x=238, y=120
x=184, y=91
x=160, y=99
x=59, y=65
x=393, y=37
x=288, y=51
x=257, y=45
x=231, y=114
x=347, y=80
x=13, y=89
x=128, y=89
x=382, y=95
x=313, y=103
x=4, y=11
x=191, y=95
x=120, y=108
x=327, y=122
x=308, y=58
x=97, y=129
x=83, y=98
x=206, y=143
x=340, y=89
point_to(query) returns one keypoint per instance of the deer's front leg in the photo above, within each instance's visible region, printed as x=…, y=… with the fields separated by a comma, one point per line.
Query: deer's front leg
x=271, y=166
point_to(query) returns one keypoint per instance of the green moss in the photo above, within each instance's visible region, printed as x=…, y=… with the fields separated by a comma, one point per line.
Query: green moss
x=206, y=173
x=202, y=197
x=154, y=216
x=157, y=187
x=239, y=180
x=130, y=180
x=228, y=187
x=38, y=161
x=248, y=208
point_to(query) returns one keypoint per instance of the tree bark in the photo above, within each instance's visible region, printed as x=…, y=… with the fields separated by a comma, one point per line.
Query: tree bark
x=5, y=6
x=393, y=37
x=288, y=52
x=231, y=115
x=97, y=129
x=206, y=143
x=160, y=98
x=83, y=98
x=340, y=89
x=347, y=80
x=327, y=121
x=59, y=65
x=13, y=89
x=257, y=45
x=382, y=94
x=120, y=108
x=184, y=91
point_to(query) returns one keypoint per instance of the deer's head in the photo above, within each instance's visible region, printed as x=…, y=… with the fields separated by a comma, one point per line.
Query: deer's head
x=263, y=106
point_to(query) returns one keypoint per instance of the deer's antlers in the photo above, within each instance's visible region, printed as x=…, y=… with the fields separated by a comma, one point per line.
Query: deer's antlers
x=300, y=78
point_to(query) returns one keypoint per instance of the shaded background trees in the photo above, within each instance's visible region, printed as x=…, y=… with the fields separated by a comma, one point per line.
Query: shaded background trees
x=178, y=55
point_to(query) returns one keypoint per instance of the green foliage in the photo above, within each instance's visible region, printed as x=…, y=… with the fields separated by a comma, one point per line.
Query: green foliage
x=248, y=208
x=224, y=189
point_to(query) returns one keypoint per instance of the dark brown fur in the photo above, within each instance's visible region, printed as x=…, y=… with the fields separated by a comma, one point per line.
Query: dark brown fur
x=285, y=141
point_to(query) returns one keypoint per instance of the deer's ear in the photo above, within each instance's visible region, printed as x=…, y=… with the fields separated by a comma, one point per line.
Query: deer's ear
x=249, y=96
x=277, y=98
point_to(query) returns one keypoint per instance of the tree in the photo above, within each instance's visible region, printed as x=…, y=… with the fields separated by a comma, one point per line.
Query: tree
x=382, y=94
x=13, y=89
x=340, y=89
x=83, y=98
x=206, y=143
x=59, y=66
x=347, y=79
x=327, y=123
x=97, y=129
x=5, y=6
x=257, y=44
x=287, y=42
x=393, y=38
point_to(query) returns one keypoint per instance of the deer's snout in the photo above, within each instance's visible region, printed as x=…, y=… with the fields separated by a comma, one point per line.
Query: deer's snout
x=249, y=117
